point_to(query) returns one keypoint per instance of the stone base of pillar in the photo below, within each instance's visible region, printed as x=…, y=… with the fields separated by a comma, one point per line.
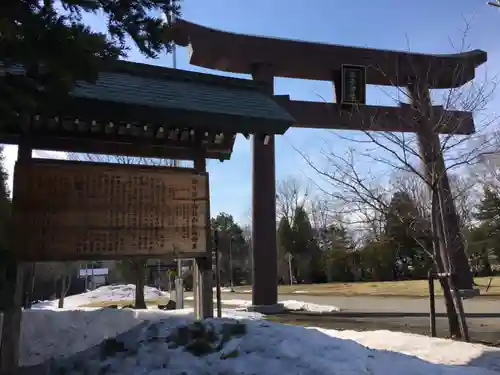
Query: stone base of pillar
x=267, y=309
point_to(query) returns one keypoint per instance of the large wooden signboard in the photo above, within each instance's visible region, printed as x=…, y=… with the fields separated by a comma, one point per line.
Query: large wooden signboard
x=67, y=211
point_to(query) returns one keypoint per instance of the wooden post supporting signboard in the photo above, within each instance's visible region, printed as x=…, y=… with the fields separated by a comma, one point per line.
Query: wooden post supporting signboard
x=202, y=272
x=12, y=313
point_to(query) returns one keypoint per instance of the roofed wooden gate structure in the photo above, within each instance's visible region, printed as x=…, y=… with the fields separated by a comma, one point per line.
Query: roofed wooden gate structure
x=144, y=111
x=69, y=211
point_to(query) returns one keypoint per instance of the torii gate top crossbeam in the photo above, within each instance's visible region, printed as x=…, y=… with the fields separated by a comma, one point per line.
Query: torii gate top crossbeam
x=238, y=53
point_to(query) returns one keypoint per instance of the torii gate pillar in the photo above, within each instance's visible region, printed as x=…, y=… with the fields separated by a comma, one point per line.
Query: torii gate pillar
x=265, y=255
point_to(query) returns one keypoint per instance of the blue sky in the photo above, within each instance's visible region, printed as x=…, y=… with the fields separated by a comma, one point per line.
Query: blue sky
x=426, y=26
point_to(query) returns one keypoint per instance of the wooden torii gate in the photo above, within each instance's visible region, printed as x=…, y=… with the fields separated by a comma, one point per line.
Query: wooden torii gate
x=265, y=58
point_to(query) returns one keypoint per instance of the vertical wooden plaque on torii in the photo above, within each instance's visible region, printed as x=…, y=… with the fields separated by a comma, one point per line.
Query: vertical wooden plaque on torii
x=353, y=85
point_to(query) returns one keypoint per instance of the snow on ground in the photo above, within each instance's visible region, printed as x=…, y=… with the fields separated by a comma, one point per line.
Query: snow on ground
x=111, y=293
x=311, y=307
x=223, y=289
x=266, y=348
x=117, y=293
x=47, y=333
x=289, y=305
x=431, y=349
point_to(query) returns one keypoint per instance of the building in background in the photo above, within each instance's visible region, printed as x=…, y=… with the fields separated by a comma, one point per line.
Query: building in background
x=94, y=277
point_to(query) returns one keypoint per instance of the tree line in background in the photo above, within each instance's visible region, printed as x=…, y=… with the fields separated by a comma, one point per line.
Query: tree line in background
x=317, y=245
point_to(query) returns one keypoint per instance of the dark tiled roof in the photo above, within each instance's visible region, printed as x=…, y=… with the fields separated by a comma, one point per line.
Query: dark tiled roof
x=164, y=88
x=187, y=95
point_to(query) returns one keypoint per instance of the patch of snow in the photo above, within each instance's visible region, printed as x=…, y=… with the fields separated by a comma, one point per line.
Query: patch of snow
x=433, y=350
x=267, y=348
x=311, y=307
x=110, y=293
x=117, y=293
x=289, y=305
x=237, y=302
x=60, y=333
x=223, y=289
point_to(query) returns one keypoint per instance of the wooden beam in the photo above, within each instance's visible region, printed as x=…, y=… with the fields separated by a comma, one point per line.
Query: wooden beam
x=371, y=118
x=133, y=149
x=104, y=111
x=231, y=52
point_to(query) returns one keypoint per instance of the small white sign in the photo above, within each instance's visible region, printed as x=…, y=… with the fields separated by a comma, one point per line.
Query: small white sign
x=94, y=272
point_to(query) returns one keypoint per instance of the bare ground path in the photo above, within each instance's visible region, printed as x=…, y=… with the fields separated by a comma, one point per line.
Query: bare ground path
x=487, y=305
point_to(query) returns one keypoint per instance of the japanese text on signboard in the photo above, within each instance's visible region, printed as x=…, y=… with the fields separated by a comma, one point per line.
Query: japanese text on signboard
x=78, y=210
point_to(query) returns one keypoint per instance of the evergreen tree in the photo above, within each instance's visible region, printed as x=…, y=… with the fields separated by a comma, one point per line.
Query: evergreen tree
x=486, y=237
x=306, y=254
x=480, y=242
x=338, y=257
x=489, y=207
x=379, y=260
x=406, y=232
x=234, y=250
x=56, y=48
x=285, y=245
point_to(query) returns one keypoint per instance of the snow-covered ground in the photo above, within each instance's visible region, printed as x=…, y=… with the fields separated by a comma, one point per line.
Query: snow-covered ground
x=289, y=305
x=47, y=333
x=110, y=293
x=118, y=293
x=223, y=289
x=262, y=348
x=266, y=348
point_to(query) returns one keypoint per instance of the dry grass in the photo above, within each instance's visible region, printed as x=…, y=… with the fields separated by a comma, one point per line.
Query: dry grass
x=411, y=288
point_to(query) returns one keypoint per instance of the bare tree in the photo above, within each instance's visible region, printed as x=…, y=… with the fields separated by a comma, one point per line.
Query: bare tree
x=486, y=173
x=291, y=193
x=46, y=276
x=415, y=188
x=321, y=212
x=65, y=283
x=364, y=194
x=465, y=195
x=118, y=159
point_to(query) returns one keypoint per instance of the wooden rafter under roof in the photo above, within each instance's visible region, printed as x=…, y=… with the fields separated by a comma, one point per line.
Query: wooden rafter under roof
x=142, y=110
x=237, y=53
